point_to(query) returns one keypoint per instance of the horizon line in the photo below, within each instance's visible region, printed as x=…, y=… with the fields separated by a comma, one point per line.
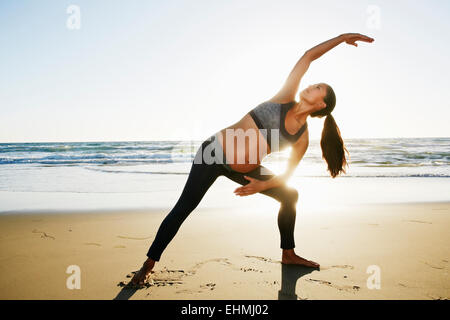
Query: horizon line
x=153, y=140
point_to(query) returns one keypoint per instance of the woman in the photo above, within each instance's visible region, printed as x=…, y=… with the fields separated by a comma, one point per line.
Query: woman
x=271, y=126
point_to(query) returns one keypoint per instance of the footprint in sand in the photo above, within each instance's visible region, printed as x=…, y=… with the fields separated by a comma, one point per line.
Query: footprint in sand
x=341, y=266
x=263, y=259
x=433, y=266
x=208, y=286
x=43, y=234
x=134, y=238
x=406, y=286
x=166, y=277
x=93, y=244
x=250, y=269
x=189, y=291
x=157, y=278
x=222, y=261
x=418, y=221
x=270, y=283
x=353, y=288
x=203, y=288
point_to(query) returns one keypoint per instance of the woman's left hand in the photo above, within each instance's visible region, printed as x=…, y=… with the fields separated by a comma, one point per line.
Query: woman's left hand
x=254, y=186
x=351, y=38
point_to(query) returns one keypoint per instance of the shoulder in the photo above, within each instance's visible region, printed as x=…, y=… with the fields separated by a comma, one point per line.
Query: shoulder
x=277, y=100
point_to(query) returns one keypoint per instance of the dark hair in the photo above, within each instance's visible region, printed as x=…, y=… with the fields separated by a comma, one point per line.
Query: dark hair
x=333, y=149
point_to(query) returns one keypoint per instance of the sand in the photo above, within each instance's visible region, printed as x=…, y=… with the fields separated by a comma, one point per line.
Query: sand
x=231, y=254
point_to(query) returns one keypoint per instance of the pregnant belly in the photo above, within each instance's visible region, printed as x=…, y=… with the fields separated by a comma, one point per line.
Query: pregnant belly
x=244, y=146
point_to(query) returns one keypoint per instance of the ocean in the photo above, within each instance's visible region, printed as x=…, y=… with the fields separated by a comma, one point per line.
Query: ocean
x=162, y=166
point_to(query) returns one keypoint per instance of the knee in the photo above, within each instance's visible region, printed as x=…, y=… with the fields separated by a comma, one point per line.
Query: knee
x=294, y=195
x=291, y=196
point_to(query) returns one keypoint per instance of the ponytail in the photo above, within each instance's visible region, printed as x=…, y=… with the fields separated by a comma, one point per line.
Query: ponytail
x=333, y=147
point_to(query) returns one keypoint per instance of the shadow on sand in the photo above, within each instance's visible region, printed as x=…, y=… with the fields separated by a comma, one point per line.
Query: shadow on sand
x=127, y=292
x=289, y=276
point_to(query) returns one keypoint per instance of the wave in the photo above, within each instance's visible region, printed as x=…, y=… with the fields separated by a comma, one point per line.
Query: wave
x=370, y=153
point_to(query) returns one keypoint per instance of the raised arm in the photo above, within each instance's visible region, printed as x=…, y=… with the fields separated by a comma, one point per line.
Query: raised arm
x=289, y=90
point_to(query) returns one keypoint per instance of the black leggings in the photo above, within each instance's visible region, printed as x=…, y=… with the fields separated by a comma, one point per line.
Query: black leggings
x=201, y=177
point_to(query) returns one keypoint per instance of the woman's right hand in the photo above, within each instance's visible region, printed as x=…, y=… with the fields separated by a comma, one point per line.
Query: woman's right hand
x=351, y=38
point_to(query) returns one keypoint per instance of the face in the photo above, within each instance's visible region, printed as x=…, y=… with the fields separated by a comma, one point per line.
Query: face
x=314, y=95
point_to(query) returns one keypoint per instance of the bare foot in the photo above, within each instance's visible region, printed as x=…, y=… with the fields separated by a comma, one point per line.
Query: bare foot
x=140, y=277
x=289, y=257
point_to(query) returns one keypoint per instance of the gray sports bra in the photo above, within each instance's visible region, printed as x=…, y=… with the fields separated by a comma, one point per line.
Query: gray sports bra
x=271, y=115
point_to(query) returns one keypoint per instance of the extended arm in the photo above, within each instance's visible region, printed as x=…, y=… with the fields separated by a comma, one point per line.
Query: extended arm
x=297, y=153
x=256, y=185
x=317, y=51
x=290, y=87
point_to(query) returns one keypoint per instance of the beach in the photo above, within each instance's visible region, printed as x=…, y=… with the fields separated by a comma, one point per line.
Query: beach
x=231, y=254
x=77, y=219
x=105, y=105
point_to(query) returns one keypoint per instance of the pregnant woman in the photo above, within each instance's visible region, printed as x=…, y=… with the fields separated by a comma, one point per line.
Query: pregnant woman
x=271, y=126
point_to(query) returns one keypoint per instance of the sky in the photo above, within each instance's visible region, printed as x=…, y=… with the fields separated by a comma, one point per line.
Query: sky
x=183, y=70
